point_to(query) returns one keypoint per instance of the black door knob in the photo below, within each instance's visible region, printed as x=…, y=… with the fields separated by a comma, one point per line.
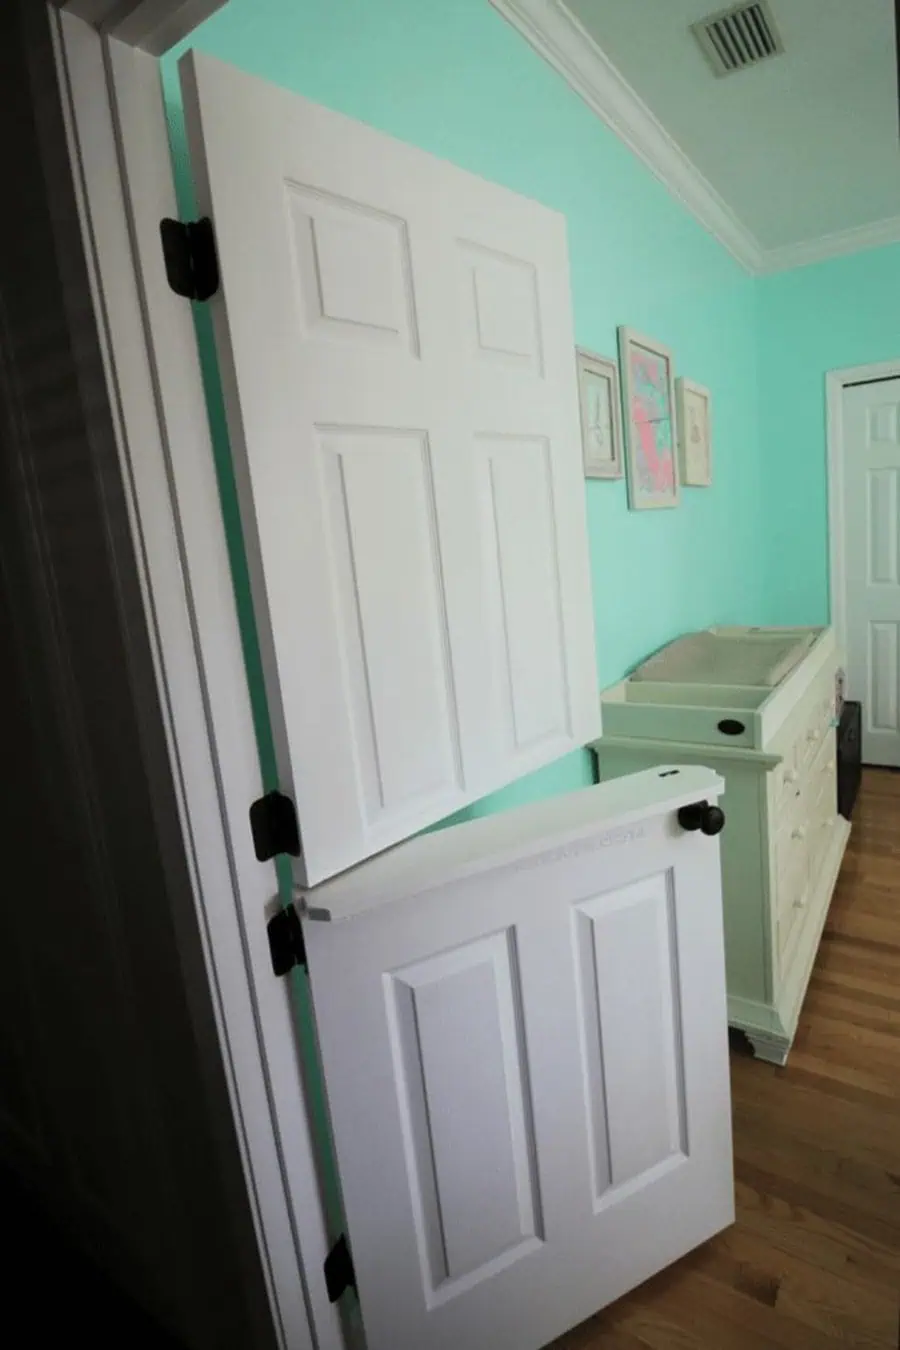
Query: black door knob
x=702, y=816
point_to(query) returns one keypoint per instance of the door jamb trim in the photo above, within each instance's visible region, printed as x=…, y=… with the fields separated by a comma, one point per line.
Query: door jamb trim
x=181, y=554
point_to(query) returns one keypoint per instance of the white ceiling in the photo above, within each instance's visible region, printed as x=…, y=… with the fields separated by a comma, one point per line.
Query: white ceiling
x=802, y=146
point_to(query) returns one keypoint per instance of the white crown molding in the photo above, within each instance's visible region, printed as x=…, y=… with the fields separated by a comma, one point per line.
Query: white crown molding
x=875, y=235
x=565, y=44
x=561, y=40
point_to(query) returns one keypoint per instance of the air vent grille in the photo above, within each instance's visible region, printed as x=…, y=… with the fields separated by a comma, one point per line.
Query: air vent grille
x=738, y=37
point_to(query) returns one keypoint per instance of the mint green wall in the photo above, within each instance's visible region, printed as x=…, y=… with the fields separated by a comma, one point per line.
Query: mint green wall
x=456, y=80
x=814, y=319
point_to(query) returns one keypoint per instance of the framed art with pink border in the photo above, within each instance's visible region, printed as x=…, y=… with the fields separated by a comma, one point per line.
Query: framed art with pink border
x=651, y=435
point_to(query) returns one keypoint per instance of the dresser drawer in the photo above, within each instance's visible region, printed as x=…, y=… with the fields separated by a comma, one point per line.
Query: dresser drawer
x=823, y=809
x=787, y=783
x=791, y=863
x=800, y=742
x=803, y=842
x=816, y=727
x=824, y=767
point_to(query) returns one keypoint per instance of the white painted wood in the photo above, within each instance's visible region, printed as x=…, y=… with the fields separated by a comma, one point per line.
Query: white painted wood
x=771, y=1049
x=396, y=345
x=442, y=1008
x=692, y=712
x=535, y=1127
x=835, y=382
x=495, y=840
x=877, y=234
x=635, y=1089
x=155, y=385
x=871, y=559
x=783, y=842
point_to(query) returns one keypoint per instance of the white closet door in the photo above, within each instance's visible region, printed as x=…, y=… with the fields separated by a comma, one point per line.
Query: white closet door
x=397, y=354
x=871, y=417
x=526, y=1065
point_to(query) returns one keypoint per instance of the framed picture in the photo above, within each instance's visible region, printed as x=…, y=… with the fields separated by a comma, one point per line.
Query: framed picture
x=693, y=403
x=601, y=418
x=648, y=399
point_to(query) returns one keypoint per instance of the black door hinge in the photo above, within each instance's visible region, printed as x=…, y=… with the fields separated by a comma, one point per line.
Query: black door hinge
x=189, y=252
x=286, y=945
x=273, y=824
x=339, y=1272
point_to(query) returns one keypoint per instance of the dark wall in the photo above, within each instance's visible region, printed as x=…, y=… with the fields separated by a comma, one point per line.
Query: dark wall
x=108, y=1107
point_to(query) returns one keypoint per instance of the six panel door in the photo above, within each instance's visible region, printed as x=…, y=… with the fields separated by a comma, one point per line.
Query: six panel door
x=872, y=562
x=397, y=354
x=527, y=1078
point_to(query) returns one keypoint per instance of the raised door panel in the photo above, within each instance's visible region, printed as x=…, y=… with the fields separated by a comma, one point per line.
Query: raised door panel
x=521, y=412
x=523, y=592
x=882, y=520
x=466, y=1118
x=501, y=300
x=353, y=271
x=386, y=573
x=882, y=696
x=631, y=1034
x=396, y=345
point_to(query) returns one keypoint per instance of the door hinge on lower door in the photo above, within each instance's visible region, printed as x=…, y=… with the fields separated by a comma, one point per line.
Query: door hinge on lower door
x=189, y=252
x=339, y=1272
x=287, y=947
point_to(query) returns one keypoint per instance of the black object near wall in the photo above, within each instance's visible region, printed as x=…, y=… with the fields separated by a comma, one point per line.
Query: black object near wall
x=849, y=757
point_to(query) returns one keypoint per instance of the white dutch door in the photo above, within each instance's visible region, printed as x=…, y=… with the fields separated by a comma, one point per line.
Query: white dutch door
x=523, y=1028
x=871, y=466
x=395, y=338
x=522, y=1020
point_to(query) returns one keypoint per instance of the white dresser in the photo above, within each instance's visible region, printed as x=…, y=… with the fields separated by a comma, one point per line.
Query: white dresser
x=783, y=843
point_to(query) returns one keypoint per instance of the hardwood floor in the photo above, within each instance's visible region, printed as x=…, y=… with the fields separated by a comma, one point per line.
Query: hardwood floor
x=813, y=1262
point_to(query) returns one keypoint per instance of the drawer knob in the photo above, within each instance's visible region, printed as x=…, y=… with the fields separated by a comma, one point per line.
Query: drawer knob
x=799, y=832
x=702, y=816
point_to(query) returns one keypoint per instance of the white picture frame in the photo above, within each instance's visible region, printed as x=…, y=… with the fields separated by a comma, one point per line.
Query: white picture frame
x=599, y=402
x=650, y=420
x=694, y=407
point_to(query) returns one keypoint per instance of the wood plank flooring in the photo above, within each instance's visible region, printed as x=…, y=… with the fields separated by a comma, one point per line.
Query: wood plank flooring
x=813, y=1262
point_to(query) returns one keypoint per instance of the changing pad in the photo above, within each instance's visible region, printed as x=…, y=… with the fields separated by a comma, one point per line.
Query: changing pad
x=753, y=657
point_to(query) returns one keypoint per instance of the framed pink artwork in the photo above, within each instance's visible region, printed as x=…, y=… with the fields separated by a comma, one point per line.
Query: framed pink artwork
x=651, y=435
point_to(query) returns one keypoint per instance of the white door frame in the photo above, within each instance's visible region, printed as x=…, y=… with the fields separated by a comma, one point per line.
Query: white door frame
x=119, y=151
x=835, y=383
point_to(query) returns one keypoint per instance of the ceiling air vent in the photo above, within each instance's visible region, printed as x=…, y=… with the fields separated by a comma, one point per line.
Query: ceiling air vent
x=738, y=37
